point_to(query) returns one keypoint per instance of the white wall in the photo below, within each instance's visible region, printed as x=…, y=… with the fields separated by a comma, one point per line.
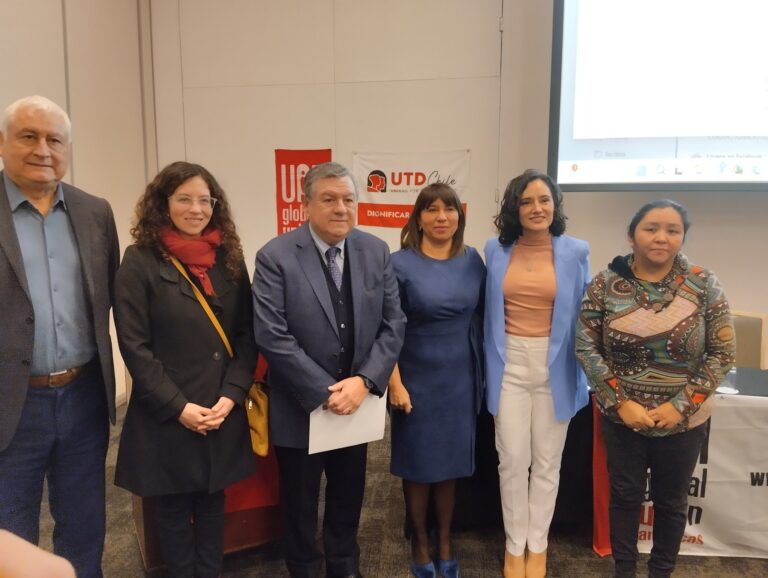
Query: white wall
x=84, y=54
x=237, y=79
x=37, y=67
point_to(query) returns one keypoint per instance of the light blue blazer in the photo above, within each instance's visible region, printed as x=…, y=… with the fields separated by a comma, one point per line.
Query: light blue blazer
x=567, y=379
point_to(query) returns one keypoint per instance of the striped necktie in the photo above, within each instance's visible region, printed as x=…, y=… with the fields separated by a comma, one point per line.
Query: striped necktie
x=333, y=268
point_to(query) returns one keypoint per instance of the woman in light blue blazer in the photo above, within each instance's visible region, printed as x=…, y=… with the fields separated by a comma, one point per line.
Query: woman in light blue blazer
x=536, y=279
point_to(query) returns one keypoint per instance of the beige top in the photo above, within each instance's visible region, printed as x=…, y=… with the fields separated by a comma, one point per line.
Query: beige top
x=529, y=289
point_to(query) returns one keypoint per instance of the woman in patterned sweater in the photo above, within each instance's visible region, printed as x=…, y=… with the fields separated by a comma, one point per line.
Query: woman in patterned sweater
x=655, y=339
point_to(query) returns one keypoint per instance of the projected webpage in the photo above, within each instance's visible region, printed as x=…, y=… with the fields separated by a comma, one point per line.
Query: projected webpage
x=664, y=91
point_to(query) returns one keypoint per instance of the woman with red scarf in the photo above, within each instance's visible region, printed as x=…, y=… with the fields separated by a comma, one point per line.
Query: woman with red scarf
x=185, y=436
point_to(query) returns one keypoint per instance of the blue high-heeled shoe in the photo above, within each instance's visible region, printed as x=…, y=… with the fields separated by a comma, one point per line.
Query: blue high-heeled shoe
x=424, y=570
x=448, y=568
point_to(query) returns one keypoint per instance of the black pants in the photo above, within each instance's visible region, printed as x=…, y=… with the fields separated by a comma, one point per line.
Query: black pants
x=300, y=475
x=671, y=460
x=191, y=531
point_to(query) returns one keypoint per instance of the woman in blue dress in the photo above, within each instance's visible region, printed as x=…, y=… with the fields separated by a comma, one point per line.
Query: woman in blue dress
x=435, y=389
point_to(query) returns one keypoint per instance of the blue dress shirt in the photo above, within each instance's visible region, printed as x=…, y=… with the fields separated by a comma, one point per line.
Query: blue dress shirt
x=64, y=336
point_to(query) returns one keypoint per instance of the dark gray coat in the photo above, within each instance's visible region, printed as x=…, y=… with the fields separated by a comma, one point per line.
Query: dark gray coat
x=175, y=356
x=94, y=228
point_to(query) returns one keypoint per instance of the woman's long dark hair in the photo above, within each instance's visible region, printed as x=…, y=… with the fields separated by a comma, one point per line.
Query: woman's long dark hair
x=411, y=234
x=152, y=213
x=508, y=220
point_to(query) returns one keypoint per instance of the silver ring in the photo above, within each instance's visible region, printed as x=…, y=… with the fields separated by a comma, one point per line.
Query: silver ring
x=635, y=429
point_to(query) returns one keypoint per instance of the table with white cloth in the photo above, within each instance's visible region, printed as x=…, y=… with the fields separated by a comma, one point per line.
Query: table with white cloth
x=728, y=493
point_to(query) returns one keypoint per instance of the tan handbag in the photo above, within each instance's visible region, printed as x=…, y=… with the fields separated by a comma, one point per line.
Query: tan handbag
x=257, y=410
x=257, y=403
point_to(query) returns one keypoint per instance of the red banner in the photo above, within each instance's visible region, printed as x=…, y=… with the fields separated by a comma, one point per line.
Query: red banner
x=290, y=168
x=376, y=215
x=601, y=489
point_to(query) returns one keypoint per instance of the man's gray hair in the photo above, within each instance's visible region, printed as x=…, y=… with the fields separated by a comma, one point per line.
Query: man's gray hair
x=35, y=102
x=325, y=171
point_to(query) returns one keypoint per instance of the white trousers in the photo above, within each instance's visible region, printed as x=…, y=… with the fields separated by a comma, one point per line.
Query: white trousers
x=528, y=436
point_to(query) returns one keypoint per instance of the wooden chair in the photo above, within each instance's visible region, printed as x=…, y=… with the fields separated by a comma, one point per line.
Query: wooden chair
x=751, y=339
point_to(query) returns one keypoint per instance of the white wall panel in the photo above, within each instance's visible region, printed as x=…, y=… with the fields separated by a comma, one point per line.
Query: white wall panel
x=33, y=58
x=246, y=43
x=169, y=89
x=105, y=94
x=106, y=110
x=527, y=51
x=32, y=44
x=407, y=39
x=427, y=115
x=233, y=132
x=245, y=66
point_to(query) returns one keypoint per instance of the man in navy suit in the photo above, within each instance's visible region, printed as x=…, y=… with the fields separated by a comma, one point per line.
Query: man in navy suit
x=58, y=259
x=328, y=320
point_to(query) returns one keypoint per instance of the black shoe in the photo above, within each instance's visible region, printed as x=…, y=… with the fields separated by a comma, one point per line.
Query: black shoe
x=625, y=569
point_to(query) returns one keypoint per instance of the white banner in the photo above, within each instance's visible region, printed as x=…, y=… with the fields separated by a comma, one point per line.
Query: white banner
x=728, y=493
x=390, y=182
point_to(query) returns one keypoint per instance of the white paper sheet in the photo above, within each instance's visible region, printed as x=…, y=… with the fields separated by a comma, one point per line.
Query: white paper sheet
x=329, y=431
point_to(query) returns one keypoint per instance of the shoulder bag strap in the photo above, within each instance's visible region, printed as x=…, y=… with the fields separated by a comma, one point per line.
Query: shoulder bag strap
x=204, y=305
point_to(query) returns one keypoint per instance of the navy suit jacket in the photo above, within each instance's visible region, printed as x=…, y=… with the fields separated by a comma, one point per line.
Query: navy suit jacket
x=296, y=331
x=566, y=378
x=94, y=228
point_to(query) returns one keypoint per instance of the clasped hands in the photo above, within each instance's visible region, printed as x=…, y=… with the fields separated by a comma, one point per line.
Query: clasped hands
x=346, y=395
x=638, y=418
x=200, y=419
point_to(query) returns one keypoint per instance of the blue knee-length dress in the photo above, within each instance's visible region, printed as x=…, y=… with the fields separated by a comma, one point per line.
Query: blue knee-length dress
x=440, y=365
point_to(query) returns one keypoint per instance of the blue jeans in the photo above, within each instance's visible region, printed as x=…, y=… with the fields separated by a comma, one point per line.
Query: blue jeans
x=63, y=434
x=671, y=460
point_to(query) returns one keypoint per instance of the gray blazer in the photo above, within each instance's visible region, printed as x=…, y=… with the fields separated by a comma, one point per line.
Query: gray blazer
x=96, y=235
x=296, y=331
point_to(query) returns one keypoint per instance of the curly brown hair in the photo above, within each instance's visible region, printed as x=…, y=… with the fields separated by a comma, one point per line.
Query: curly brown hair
x=508, y=220
x=152, y=213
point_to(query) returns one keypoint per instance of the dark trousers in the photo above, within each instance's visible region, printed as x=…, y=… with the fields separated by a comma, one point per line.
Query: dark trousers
x=191, y=531
x=63, y=434
x=300, y=475
x=671, y=460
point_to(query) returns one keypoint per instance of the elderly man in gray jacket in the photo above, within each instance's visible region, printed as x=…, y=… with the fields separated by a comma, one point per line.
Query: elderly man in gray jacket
x=58, y=257
x=328, y=320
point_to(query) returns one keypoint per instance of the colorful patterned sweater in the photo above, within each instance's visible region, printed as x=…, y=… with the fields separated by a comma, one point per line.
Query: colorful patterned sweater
x=655, y=342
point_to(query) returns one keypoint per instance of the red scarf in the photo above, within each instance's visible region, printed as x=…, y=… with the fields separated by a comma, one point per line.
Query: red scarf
x=198, y=255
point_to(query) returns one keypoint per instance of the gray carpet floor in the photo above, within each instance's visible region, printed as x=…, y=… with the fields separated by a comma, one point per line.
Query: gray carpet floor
x=384, y=550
